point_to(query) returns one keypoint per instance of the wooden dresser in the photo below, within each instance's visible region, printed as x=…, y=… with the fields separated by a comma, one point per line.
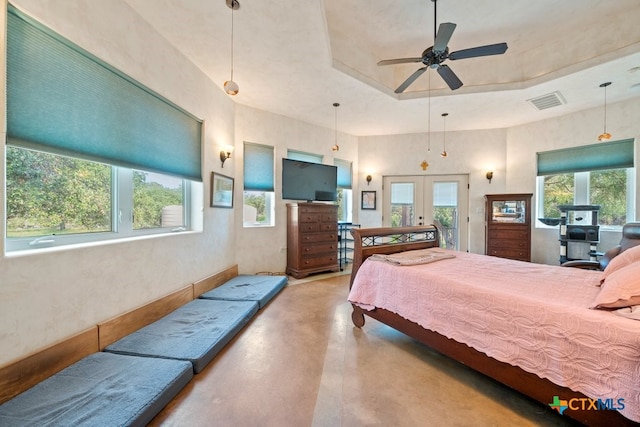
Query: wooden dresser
x=312, y=238
x=508, y=226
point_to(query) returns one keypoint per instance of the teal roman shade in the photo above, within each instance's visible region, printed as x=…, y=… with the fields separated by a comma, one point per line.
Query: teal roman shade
x=304, y=157
x=64, y=100
x=601, y=156
x=344, y=173
x=258, y=167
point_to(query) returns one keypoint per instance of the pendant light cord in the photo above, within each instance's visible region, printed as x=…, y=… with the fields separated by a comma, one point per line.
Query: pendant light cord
x=232, y=6
x=429, y=112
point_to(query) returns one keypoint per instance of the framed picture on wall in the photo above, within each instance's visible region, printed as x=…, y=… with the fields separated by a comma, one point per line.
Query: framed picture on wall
x=368, y=200
x=221, y=191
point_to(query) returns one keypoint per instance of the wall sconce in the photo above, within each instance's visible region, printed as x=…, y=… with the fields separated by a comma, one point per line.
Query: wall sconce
x=224, y=155
x=489, y=176
x=368, y=178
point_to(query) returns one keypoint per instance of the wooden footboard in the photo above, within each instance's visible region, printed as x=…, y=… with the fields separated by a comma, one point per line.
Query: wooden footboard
x=393, y=240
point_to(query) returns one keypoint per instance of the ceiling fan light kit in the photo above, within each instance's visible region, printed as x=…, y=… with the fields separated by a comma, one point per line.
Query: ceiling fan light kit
x=434, y=56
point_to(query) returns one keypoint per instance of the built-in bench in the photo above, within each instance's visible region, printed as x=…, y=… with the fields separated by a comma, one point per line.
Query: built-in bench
x=144, y=366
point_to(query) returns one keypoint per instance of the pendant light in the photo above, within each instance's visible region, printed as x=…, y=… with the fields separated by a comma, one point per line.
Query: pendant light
x=605, y=136
x=424, y=165
x=230, y=86
x=335, y=145
x=444, y=135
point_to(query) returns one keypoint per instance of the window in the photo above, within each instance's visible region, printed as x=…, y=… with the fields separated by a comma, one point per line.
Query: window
x=599, y=174
x=345, y=195
x=259, y=198
x=158, y=201
x=81, y=137
x=304, y=157
x=56, y=200
x=54, y=195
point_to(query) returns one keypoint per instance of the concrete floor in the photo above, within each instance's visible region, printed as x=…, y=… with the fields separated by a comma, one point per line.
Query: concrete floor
x=301, y=362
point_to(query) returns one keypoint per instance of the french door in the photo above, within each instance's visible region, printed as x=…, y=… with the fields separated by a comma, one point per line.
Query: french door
x=435, y=199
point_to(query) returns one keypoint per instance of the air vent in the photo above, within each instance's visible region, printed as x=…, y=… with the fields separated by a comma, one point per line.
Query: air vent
x=550, y=100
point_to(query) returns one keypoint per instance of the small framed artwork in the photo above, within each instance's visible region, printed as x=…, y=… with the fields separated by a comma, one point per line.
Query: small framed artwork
x=369, y=200
x=221, y=191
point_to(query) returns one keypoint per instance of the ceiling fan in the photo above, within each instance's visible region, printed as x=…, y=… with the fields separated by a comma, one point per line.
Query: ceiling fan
x=435, y=55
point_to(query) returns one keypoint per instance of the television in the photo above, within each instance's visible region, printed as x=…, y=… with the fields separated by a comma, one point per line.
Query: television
x=309, y=181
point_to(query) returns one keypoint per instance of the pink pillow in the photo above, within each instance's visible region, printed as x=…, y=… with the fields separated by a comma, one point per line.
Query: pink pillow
x=620, y=289
x=627, y=257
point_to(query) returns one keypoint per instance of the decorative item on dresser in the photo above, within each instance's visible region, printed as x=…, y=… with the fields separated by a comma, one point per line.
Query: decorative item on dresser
x=508, y=226
x=312, y=238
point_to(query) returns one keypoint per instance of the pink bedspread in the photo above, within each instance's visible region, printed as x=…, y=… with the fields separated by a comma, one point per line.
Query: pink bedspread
x=529, y=315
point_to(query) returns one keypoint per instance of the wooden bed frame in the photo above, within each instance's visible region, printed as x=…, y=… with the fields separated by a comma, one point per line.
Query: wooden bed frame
x=392, y=240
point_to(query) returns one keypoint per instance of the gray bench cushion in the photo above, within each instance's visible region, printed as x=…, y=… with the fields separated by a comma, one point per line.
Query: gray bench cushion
x=248, y=288
x=102, y=389
x=196, y=332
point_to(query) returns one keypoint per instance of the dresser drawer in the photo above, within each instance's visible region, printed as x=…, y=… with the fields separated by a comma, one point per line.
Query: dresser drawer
x=319, y=237
x=509, y=234
x=319, y=261
x=309, y=227
x=330, y=217
x=310, y=217
x=522, y=255
x=329, y=226
x=319, y=248
x=509, y=244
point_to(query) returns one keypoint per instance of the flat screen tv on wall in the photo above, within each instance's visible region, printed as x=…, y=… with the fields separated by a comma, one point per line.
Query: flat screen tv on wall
x=309, y=181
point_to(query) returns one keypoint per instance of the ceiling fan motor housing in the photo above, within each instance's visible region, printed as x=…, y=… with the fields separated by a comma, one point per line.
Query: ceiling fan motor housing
x=432, y=58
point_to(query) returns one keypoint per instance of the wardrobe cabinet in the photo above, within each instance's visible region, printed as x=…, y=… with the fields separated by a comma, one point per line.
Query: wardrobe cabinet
x=508, y=226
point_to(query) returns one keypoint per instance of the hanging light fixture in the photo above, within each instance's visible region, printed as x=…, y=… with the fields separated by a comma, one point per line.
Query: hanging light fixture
x=605, y=136
x=230, y=86
x=444, y=135
x=424, y=165
x=335, y=145
x=429, y=112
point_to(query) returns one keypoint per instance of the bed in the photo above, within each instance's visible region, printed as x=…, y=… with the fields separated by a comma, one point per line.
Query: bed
x=529, y=326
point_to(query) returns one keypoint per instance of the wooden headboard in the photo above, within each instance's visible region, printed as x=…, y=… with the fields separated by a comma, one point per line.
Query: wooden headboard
x=389, y=240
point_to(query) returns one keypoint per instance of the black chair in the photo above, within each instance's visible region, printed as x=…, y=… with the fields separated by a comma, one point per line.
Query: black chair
x=630, y=238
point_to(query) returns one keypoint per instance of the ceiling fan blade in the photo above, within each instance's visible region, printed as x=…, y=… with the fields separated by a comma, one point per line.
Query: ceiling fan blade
x=410, y=80
x=449, y=77
x=445, y=31
x=399, y=61
x=490, y=49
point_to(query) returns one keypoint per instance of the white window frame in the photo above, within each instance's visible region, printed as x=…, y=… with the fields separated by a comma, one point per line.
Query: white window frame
x=122, y=218
x=581, y=196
